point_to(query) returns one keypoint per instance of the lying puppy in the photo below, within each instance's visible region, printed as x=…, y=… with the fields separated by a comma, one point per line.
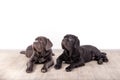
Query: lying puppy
x=42, y=53
x=28, y=52
x=77, y=55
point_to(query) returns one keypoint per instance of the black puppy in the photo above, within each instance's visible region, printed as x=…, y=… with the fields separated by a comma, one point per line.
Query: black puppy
x=77, y=55
x=42, y=53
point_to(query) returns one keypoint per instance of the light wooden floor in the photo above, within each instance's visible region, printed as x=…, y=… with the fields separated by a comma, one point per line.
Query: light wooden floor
x=13, y=65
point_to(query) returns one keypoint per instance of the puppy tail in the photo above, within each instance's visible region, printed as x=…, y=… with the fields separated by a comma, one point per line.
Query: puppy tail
x=22, y=52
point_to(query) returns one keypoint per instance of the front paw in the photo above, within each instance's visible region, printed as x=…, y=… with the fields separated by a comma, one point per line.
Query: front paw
x=68, y=69
x=29, y=70
x=43, y=70
x=57, y=66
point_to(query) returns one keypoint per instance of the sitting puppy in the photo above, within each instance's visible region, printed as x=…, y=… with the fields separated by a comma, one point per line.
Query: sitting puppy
x=42, y=53
x=77, y=55
x=29, y=51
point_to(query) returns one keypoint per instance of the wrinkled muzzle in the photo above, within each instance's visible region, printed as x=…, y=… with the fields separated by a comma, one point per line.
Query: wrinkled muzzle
x=38, y=46
x=67, y=45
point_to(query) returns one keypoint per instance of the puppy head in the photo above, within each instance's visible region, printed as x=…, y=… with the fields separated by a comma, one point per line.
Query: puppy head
x=70, y=41
x=41, y=44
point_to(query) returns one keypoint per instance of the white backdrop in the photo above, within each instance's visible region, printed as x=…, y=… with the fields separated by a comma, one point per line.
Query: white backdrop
x=95, y=22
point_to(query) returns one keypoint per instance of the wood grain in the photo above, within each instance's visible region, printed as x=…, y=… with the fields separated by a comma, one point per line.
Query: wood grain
x=13, y=65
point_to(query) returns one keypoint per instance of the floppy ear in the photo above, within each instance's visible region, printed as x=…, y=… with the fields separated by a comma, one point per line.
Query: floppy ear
x=29, y=53
x=48, y=44
x=62, y=45
x=77, y=43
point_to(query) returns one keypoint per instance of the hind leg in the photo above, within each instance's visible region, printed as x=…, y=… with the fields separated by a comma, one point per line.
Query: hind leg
x=100, y=61
x=105, y=59
x=98, y=58
x=101, y=58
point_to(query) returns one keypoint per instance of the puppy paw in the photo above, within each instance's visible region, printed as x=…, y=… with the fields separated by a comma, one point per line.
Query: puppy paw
x=43, y=70
x=29, y=70
x=100, y=61
x=68, y=69
x=105, y=60
x=57, y=66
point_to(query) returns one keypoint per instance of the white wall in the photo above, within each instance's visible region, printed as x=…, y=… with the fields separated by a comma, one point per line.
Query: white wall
x=95, y=22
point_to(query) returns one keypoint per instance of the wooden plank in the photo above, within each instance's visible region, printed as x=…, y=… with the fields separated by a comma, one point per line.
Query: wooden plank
x=13, y=65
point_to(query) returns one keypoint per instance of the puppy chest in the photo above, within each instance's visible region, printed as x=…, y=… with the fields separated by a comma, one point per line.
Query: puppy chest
x=40, y=60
